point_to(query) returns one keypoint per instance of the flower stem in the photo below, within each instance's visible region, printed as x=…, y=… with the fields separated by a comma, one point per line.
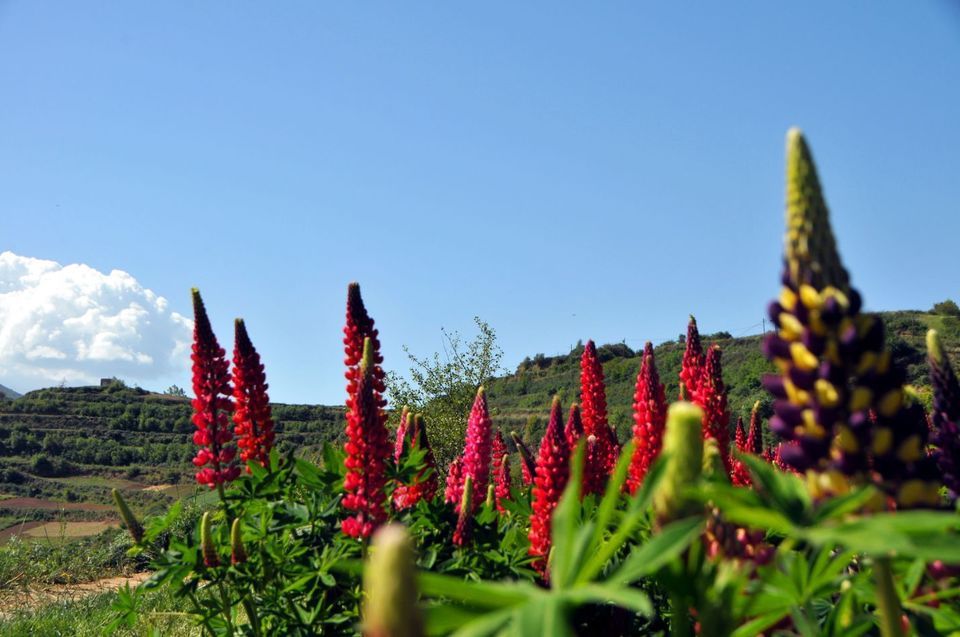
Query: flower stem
x=888, y=603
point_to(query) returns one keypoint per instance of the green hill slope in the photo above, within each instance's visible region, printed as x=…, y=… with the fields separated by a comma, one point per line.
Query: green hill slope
x=521, y=400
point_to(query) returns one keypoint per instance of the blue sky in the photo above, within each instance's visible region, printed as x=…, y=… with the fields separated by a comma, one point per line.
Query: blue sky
x=563, y=170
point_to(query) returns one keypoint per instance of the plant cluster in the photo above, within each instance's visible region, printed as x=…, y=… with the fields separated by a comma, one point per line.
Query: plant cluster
x=846, y=527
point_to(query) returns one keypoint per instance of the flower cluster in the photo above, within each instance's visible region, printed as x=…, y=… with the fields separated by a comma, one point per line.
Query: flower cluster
x=367, y=450
x=649, y=418
x=552, y=473
x=946, y=414
x=711, y=396
x=603, y=452
x=691, y=367
x=477, y=449
x=503, y=482
x=253, y=422
x=748, y=440
x=401, y=435
x=834, y=368
x=358, y=327
x=453, y=486
x=211, y=404
x=424, y=485
x=573, y=430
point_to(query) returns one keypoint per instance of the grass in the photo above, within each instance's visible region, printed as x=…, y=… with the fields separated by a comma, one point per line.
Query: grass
x=91, y=615
x=63, y=531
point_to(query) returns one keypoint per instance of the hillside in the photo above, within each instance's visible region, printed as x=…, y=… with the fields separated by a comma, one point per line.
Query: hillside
x=519, y=401
x=6, y=392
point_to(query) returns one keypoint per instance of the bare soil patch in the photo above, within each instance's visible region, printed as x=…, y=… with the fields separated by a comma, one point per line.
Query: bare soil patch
x=32, y=598
x=52, y=505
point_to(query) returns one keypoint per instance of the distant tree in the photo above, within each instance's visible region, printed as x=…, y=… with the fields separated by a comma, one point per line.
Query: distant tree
x=442, y=386
x=174, y=390
x=948, y=307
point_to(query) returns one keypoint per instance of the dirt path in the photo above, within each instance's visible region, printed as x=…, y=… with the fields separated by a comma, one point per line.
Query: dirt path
x=35, y=597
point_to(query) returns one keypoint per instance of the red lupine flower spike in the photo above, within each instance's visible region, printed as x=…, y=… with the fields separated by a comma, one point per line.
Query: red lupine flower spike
x=573, y=431
x=424, y=485
x=359, y=326
x=712, y=398
x=477, y=450
x=594, y=412
x=499, y=450
x=740, y=475
x=527, y=463
x=454, y=485
x=649, y=419
x=212, y=405
x=693, y=362
x=553, y=471
x=401, y=434
x=253, y=419
x=503, y=482
x=367, y=451
x=740, y=435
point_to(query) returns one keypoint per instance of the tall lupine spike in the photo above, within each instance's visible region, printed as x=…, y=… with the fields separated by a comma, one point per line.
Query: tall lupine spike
x=401, y=435
x=390, y=607
x=740, y=439
x=593, y=401
x=527, y=463
x=134, y=528
x=594, y=473
x=253, y=419
x=573, y=431
x=946, y=413
x=649, y=418
x=834, y=367
x=424, y=485
x=208, y=549
x=711, y=396
x=453, y=488
x=461, y=532
x=212, y=405
x=358, y=327
x=238, y=552
x=503, y=482
x=691, y=368
x=683, y=444
x=553, y=471
x=477, y=448
x=755, y=433
x=367, y=449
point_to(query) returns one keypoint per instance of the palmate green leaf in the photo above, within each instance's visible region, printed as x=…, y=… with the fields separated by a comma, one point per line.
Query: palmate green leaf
x=916, y=534
x=782, y=490
x=624, y=596
x=485, y=625
x=658, y=551
x=480, y=594
x=544, y=616
x=745, y=507
x=843, y=505
x=759, y=624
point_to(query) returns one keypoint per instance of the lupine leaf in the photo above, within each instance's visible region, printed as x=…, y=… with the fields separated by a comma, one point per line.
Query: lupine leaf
x=658, y=550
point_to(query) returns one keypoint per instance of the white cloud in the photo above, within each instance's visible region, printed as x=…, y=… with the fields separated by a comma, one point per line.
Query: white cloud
x=75, y=324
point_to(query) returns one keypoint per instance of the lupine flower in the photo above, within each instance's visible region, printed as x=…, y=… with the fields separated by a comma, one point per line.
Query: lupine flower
x=683, y=444
x=649, y=418
x=401, y=439
x=424, y=485
x=593, y=400
x=238, y=552
x=725, y=540
x=367, y=449
x=740, y=475
x=691, y=368
x=946, y=413
x=834, y=367
x=453, y=488
x=359, y=326
x=134, y=528
x=212, y=405
x=503, y=482
x=478, y=447
x=390, y=606
x=252, y=419
x=594, y=467
x=573, y=431
x=461, y=532
x=211, y=559
x=711, y=396
x=553, y=471
x=527, y=463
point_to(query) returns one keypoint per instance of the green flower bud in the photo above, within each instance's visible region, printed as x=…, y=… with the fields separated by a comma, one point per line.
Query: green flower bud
x=683, y=446
x=390, y=590
x=129, y=520
x=238, y=552
x=209, y=550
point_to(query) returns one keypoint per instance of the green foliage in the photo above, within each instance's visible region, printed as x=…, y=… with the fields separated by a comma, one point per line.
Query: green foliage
x=947, y=307
x=442, y=387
